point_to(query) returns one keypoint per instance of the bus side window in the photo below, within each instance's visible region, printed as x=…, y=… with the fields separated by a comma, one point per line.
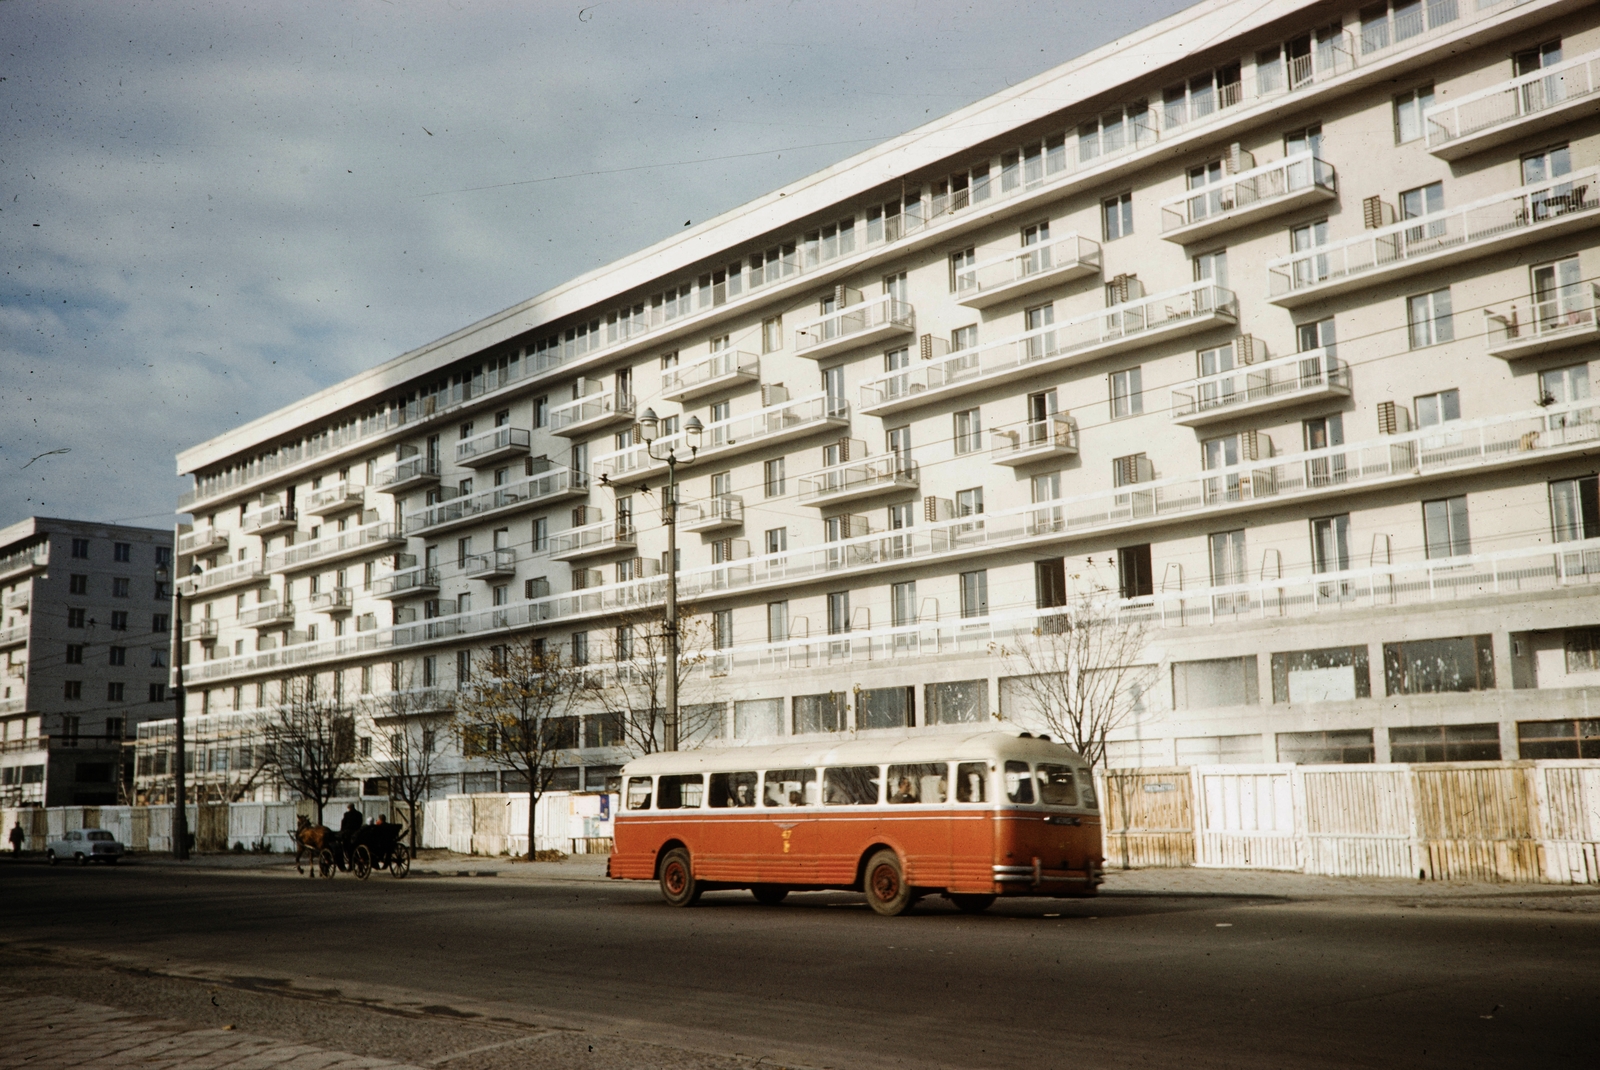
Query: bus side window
x=638, y=793
x=733, y=789
x=682, y=792
x=1057, y=787
x=1019, y=782
x=790, y=787
x=925, y=782
x=971, y=781
x=850, y=785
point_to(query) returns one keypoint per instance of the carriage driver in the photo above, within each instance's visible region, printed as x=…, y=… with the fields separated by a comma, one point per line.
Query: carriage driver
x=349, y=826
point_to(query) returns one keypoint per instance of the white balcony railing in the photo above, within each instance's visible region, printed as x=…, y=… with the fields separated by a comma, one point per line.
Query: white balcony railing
x=1116, y=329
x=230, y=575
x=342, y=495
x=351, y=542
x=335, y=600
x=266, y=517
x=1473, y=229
x=857, y=325
x=493, y=445
x=607, y=536
x=24, y=560
x=1565, y=318
x=776, y=423
x=1249, y=387
x=408, y=472
x=202, y=541
x=1054, y=436
x=267, y=615
x=496, y=564
x=1511, y=108
x=1031, y=268
x=15, y=635
x=1271, y=187
x=859, y=479
x=596, y=408
x=524, y=494
x=407, y=583
x=204, y=629
x=721, y=369
x=711, y=514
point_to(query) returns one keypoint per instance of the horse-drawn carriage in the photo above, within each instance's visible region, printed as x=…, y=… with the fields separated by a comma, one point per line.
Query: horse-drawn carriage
x=375, y=846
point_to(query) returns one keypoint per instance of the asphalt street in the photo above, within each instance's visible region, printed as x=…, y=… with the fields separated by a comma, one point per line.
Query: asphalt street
x=416, y=970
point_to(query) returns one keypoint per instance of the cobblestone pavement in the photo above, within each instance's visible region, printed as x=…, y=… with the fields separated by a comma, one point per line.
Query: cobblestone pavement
x=57, y=1033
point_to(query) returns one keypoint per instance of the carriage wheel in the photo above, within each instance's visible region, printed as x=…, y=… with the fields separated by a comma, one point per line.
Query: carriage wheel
x=400, y=863
x=326, y=863
x=362, y=863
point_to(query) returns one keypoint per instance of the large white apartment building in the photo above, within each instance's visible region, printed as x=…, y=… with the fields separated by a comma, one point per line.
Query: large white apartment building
x=84, y=627
x=1275, y=317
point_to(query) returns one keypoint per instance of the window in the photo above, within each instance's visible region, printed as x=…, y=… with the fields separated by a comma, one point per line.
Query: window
x=903, y=603
x=1131, y=469
x=722, y=629
x=1537, y=59
x=772, y=477
x=1558, y=739
x=1135, y=577
x=114, y=725
x=159, y=622
x=1200, y=96
x=1127, y=394
x=580, y=648
x=1575, y=508
x=777, y=622
x=962, y=274
x=158, y=692
x=541, y=411
x=1559, y=301
x=854, y=785
x=1202, y=685
x=818, y=713
x=121, y=551
x=838, y=612
x=1119, y=128
x=1437, y=408
x=1408, y=111
x=114, y=692
x=959, y=702
x=76, y=618
x=77, y=584
x=1050, y=583
x=1331, y=674
x=1349, y=747
x=72, y=689
x=1445, y=743
x=74, y=653
x=1444, y=527
x=541, y=534
x=80, y=548
x=968, y=431
x=158, y=657
x=776, y=540
x=1431, y=666
x=1227, y=558
x=772, y=334
x=886, y=707
x=163, y=557
x=975, y=593
x=1308, y=139
x=1330, y=543
x=969, y=502
x=1544, y=165
x=1212, y=267
x=463, y=669
x=117, y=655
x=1116, y=217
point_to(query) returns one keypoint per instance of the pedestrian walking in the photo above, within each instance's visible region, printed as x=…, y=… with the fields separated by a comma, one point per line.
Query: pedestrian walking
x=17, y=836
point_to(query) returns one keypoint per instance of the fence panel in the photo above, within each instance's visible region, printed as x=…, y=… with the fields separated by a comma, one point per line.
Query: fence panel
x=461, y=824
x=1147, y=818
x=436, y=824
x=1245, y=817
x=1569, y=809
x=1356, y=820
x=1475, y=820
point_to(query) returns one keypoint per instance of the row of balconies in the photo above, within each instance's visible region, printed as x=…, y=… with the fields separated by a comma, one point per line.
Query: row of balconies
x=14, y=636
x=23, y=561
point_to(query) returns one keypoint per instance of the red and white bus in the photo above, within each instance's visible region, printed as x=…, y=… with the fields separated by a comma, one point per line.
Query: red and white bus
x=970, y=816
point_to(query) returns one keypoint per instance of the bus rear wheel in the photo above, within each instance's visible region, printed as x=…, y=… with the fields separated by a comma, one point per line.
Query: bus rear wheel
x=678, y=885
x=769, y=895
x=885, y=884
x=971, y=904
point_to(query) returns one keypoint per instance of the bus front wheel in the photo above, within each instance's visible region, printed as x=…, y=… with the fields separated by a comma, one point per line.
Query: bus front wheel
x=887, y=891
x=769, y=895
x=971, y=904
x=678, y=886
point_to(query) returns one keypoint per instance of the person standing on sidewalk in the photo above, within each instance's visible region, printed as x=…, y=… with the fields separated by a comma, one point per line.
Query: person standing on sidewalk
x=17, y=836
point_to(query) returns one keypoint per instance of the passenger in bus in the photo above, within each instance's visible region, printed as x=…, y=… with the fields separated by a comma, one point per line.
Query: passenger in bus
x=774, y=794
x=741, y=796
x=904, y=792
x=794, y=799
x=969, y=782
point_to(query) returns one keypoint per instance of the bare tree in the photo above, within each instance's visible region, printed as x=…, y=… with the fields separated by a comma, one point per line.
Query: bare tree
x=515, y=716
x=635, y=691
x=408, y=725
x=309, y=742
x=1079, y=671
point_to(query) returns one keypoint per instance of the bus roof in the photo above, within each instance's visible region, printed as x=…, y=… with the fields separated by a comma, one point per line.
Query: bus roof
x=921, y=747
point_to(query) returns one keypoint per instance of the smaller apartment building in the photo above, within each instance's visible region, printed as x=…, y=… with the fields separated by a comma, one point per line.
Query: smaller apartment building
x=85, y=613
x=1284, y=339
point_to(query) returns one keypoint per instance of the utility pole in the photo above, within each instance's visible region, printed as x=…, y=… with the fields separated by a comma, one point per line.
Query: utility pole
x=649, y=428
x=180, y=813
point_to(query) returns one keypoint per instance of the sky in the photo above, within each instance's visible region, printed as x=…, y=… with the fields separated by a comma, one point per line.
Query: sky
x=208, y=211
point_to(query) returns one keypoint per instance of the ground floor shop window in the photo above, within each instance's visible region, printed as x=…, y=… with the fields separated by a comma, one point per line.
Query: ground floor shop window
x=1445, y=743
x=1348, y=747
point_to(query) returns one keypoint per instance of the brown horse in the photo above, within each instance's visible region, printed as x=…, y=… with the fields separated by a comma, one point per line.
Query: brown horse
x=311, y=839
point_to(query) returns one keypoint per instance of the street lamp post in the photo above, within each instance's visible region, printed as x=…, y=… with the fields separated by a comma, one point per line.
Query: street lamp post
x=180, y=813
x=649, y=428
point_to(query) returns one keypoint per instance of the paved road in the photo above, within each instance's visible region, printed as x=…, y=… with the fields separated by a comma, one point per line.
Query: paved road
x=409, y=970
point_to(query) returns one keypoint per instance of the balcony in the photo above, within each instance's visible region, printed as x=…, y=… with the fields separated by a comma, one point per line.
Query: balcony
x=17, y=599
x=757, y=430
x=593, y=540
x=268, y=518
x=722, y=370
x=1516, y=217
x=406, y=474
x=342, y=496
x=596, y=408
x=204, y=630
x=1562, y=321
x=1259, y=193
x=408, y=583
x=1049, y=439
x=721, y=513
x=353, y=542
x=202, y=541
x=1036, y=267
x=495, y=565
x=494, y=446
x=854, y=480
x=268, y=616
x=553, y=486
x=851, y=328
x=1131, y=325
x=14, y=636
x=1515, y=108
x=221, y=578
x=1253, y=388
x=25, y=560
x=335, y=601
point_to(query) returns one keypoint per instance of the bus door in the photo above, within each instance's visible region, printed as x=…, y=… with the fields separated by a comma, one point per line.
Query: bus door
x=788, y=842
x=972, y=830
x=918, y=795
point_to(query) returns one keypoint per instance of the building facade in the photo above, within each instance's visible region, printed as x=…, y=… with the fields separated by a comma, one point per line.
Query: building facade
x=1273, y=321
x=86, y=610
